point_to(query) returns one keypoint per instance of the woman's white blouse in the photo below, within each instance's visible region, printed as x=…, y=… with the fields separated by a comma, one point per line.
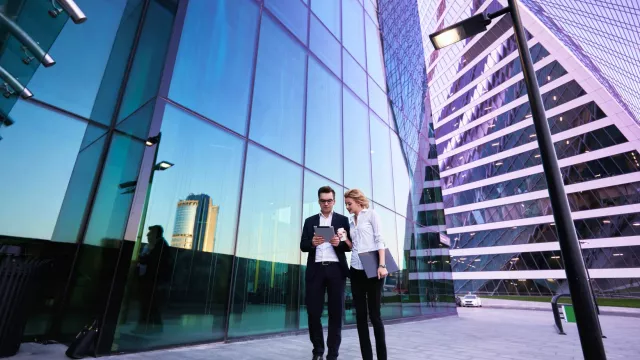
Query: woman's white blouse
x=365, y=236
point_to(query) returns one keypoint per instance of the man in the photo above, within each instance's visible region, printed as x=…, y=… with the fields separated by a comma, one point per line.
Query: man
x=326, y=271
x=154, y=271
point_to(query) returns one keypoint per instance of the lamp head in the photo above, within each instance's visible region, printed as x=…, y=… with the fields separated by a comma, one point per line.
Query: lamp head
x=460, y=31
x=152, y=140
x=163, y=165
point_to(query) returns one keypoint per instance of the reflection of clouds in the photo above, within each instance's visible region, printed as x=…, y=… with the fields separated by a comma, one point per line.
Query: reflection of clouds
x=220, y=146
x=284, y=215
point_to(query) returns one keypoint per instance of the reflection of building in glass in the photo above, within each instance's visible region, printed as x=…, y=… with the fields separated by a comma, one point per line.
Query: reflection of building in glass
x=195, y=223
x=427, y=255
x=498, y=214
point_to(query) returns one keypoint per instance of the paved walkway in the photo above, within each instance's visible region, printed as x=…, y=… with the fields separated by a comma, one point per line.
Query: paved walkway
x=477, y=334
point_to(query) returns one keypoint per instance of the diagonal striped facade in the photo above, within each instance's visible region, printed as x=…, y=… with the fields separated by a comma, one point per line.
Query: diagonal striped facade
x=498, y=215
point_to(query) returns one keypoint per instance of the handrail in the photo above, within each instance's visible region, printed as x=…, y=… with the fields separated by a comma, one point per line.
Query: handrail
x=27, y=41
x=556, y=314
x=11, y=81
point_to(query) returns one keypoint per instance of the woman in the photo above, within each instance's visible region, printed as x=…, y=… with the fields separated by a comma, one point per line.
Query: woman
x=367, y=292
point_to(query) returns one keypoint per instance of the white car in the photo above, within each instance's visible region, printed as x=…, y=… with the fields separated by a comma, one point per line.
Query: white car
x=471, y=300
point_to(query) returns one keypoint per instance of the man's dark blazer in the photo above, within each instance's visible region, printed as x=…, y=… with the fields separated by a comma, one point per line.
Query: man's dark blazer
x=338, y=221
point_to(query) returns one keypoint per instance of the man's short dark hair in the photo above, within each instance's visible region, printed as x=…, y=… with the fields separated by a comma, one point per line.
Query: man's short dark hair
x=326, y=190
x=157, y=228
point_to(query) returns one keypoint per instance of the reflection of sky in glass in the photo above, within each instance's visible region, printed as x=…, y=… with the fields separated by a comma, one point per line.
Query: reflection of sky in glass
x=328, y=11
x=214, y=80
x=357, y=167
x=207, y=161
x=401, y=177
x=293, y=15
x=81, y=53
x=388, y=229
x=381, y=163
x=375, y=64
x=354, y=76
x=36, y=166
x=208, y=148
x=324, y=122
x=325, y=46
x=271, y=209
x=277, y=113
x=353, y=30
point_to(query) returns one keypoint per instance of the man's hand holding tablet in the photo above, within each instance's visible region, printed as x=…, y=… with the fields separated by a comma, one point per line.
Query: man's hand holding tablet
x=323, y=234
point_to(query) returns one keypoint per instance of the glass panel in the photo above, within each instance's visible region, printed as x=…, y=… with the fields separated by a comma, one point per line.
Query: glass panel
x=329, y=12
x=354, y=76
x=112, y=204
x=293, y=14
x=353, y=30
x=215, y=79
x=148, y=63
x=325, y=46
x=265, y=298
x=357, y=167
x=378, y=101
x=381, y=162
x=407, y=289
x=36, y=178
x=277, y=118
x=78, y=192
x=197, y=206
x=375, y=65
x=371, y=10
x=324, y=123
x=81, y=53
x=401, y=178
x=112, y=80
x=404, y=231
x=138, y=123
x=194, y=172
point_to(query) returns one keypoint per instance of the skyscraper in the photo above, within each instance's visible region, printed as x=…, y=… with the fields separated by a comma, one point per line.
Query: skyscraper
x=498, y=213
x=195, y=223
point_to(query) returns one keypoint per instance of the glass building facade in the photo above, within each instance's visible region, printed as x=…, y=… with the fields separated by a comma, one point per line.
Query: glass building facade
x=497, y=211
x=215, y=121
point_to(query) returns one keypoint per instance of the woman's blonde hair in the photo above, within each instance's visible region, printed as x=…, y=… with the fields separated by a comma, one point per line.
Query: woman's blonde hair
x=358, y=197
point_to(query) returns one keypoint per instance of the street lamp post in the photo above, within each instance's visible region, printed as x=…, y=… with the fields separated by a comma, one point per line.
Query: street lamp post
x=579, y=287
x=161, y=166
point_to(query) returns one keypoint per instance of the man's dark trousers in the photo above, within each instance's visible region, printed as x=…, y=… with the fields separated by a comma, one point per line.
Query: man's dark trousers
x=329, y=277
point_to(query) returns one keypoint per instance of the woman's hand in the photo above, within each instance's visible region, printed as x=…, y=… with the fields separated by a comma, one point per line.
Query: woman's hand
x=382, y=272
x=335, y=241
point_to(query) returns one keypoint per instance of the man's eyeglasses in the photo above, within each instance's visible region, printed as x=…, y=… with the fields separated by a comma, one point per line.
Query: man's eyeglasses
x=326, y=201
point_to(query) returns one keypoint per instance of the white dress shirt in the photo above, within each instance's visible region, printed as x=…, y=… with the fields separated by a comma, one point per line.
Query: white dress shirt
x=365, y=236
x=325, y=251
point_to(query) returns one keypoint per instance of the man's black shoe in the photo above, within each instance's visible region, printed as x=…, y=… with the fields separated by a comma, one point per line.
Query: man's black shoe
x=317, y=357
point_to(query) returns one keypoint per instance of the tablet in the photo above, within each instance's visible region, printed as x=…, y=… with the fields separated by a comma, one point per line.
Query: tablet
x=326, y=232
x=371, y=259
